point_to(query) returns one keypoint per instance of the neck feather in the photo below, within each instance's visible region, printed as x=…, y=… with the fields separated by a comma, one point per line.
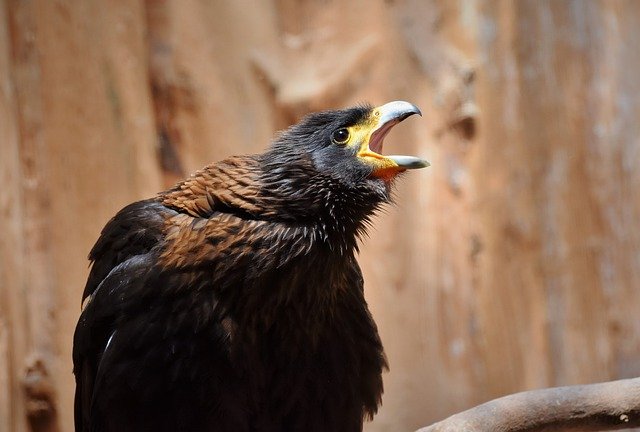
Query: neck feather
x=293, y=194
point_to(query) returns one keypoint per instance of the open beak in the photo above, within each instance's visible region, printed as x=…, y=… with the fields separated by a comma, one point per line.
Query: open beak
x=383, y=119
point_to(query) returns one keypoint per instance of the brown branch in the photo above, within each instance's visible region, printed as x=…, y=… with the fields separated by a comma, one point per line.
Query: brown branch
x=606, y=406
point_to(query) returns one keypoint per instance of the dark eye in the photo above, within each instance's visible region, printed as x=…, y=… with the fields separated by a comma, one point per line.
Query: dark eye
x=340, y=136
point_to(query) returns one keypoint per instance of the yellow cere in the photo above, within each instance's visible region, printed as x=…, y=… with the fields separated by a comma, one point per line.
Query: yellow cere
x=361, y=132
x=360, y=135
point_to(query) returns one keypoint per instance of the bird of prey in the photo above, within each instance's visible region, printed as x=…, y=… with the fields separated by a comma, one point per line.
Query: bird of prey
x=233, y=301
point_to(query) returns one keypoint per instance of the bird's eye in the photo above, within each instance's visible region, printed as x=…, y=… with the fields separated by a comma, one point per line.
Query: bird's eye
x=340, y=136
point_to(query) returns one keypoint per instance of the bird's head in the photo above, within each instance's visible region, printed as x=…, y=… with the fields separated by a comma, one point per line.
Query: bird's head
x=344, y=146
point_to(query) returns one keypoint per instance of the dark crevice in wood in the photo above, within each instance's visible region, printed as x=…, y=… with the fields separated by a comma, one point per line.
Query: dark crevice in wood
x=165, y=90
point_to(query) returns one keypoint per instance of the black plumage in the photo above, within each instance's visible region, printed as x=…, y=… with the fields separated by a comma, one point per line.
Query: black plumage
x=233, y=301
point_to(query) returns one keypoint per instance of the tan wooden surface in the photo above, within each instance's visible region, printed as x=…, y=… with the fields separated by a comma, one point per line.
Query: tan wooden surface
x=512, y=263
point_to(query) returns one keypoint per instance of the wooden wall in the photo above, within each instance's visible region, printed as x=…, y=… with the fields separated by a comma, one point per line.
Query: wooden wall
x=512, y=263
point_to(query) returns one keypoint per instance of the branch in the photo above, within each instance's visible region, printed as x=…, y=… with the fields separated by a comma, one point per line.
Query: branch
x=606, y=406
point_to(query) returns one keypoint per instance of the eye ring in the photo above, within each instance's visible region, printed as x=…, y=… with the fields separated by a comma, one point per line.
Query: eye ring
x=341, y=136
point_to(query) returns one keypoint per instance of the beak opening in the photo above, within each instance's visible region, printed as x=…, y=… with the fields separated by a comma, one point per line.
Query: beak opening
x=389, y=115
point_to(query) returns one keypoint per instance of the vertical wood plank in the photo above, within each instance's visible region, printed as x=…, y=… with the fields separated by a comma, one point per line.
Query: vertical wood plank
x=33, y=370
x=13, y=318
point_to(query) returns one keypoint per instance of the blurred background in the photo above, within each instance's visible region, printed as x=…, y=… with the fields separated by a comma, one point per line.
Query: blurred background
x=512, y=263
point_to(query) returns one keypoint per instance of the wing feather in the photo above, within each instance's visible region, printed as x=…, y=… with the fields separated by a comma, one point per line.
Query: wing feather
x=135, y=230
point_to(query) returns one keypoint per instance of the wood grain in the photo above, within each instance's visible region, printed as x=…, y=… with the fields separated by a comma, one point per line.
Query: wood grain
x=510, y=264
